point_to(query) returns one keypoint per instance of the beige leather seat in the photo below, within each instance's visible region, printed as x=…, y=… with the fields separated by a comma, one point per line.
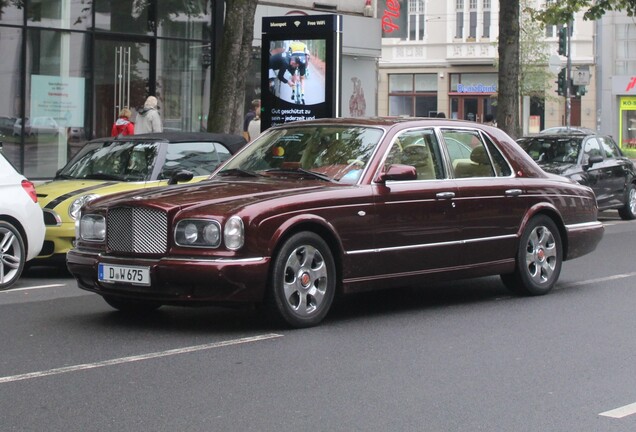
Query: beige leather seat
x=479, y=165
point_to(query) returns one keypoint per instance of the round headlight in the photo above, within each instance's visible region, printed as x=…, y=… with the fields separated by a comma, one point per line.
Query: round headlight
x=211, y=234
x=234, y=233
x=76, y=205
x=190, y=233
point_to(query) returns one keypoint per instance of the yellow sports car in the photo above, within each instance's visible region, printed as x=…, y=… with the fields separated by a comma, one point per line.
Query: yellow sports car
x=109, y=165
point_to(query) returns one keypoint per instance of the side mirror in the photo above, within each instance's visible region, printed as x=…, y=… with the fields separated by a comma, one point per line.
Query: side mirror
x=180, y=176
x=593, y=160
x=398, y=172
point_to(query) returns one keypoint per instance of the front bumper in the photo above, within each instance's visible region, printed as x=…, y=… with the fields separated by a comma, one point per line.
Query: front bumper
x=178, y=281
x=58, y=240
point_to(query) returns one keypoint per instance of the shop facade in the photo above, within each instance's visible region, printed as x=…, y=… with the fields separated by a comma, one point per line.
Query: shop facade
x=69, y=66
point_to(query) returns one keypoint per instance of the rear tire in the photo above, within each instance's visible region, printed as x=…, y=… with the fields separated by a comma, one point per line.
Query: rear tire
x=539, y=259
x=628, y=212
x=12, y=255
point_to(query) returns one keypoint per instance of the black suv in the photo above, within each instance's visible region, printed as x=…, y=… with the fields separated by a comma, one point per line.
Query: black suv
x=590, y=159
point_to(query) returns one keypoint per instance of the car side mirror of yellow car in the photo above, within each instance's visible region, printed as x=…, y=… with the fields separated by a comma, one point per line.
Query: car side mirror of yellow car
x=180, y=176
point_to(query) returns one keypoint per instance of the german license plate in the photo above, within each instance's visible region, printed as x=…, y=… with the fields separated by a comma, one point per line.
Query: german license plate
x=123, y=274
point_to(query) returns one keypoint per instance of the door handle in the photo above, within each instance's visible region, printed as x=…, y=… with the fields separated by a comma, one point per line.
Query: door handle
x=445, y=195
x=513, y=192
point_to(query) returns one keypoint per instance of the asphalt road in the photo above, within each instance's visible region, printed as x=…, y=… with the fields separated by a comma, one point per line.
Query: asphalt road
x=462, y=356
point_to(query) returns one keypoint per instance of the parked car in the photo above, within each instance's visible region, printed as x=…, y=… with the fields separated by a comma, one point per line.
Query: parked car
x=21, y=223
x=317, y=207
x=568, y=130
x=592, y=160
x=109, y=165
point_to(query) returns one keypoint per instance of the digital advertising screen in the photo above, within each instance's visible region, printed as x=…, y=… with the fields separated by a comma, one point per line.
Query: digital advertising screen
x=300, y=70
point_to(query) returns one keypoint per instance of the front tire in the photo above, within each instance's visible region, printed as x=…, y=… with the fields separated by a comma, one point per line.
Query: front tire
x=539, y=259
x=628, y=212
x=12, y=255
x=303, y=280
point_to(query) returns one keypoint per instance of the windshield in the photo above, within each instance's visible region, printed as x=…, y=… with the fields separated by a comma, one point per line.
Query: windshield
x=334, y=153
x=123, y=161
x=552, y=150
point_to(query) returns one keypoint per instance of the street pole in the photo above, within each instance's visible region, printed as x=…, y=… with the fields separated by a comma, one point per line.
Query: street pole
x=568, y=78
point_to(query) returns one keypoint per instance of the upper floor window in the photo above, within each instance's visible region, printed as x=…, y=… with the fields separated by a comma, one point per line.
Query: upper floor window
x=625, y=49
x=459, y=19
x=472, y=32
x=416, y=20
x=486, y=14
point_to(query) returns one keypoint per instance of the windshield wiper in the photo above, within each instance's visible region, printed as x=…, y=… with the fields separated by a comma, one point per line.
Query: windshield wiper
x=313, y=174
x=64, y=177
x=238, y=172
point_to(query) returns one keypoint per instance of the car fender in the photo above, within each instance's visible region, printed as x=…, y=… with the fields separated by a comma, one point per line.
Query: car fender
x=306, y=222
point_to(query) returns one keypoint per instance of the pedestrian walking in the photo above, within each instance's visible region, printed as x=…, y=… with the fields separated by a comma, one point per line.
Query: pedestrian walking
x=148, y=119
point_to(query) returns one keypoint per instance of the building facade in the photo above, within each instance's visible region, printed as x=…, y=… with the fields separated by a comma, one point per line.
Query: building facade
x=69, y=66
x=616, y=59
x=441, y=57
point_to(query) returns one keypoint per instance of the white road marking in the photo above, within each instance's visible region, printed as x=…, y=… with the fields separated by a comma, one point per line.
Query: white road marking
x=621, y=412
x=603, y=279
x=32, y=288
x=141, y=357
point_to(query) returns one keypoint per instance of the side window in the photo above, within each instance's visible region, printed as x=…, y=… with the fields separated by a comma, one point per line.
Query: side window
x=222, y=152
x=592, y=148
x=609, y=148
x=420, y=149
x=502, y=168
x=468, y=153
x=199, y=157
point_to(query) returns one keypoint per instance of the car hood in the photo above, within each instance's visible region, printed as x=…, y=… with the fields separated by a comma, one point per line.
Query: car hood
x=53, y=193
x=558, y=168
x=225, y=195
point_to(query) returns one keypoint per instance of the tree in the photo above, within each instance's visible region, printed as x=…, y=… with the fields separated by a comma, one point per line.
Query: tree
x=563, y=11
x=508, y=85
x=232, y=65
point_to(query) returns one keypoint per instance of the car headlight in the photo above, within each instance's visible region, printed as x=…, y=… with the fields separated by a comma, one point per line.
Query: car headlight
x=234, y=233
x=92, y=227
x=76, y=205
x=198, y=233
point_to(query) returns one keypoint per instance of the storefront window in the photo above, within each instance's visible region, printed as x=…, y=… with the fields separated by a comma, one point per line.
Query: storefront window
x=413, y=94
x=188, y=19
x=65, y=14
x=183, y=80
x=10, y=82
x=124, y=16
x=11, y=13
x=55, y=100
x=627, y=122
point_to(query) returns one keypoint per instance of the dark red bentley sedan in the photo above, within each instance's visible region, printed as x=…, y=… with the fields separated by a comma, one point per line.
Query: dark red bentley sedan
x=338, y=205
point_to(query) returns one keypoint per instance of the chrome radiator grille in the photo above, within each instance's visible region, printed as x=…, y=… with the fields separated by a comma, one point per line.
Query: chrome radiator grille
x=138, y=230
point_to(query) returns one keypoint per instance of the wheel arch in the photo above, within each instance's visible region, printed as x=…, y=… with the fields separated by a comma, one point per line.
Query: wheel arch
x=320, y=228
x=555, y=216
x=17, y=225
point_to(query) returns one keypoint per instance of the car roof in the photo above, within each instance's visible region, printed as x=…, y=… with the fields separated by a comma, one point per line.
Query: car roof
x=231, y=141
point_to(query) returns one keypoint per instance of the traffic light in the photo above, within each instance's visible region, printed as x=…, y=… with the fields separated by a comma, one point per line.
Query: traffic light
x=561, y=82
x=563, y=41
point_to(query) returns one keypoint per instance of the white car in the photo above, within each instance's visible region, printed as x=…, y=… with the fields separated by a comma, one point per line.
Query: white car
x=21, y=223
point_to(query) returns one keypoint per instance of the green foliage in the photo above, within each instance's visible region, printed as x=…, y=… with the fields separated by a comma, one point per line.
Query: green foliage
x=562, y=11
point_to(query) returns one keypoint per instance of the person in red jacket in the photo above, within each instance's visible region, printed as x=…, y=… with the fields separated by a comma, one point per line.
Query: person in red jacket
x=123, y=125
